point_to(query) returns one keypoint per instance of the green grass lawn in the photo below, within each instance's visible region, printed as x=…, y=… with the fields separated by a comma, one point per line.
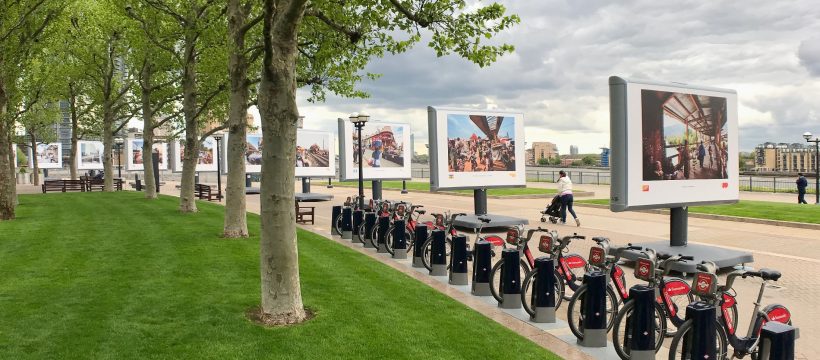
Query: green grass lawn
x=752, y=209
x=425, y=186
x=115, y=276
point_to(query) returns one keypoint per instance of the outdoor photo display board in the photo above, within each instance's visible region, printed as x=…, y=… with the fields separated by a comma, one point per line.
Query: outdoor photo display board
x=471, y=149
x=134, y=154
x=673, y=145
x=315, y=154
x=386, y=151
x=207, y=155
x=49, y=156
x=90, y=155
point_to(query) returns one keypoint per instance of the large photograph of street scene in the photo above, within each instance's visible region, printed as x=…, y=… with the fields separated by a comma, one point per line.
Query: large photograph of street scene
x=383, y=146
x=479, y=143
x=253, y=151
x=684, y=136
x=205, y=161
x=49, y=156
x=91, y=155
x=312, y=150
x=136, y=158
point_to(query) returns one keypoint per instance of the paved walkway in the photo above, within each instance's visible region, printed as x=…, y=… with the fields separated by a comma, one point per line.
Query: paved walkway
x=791, y=250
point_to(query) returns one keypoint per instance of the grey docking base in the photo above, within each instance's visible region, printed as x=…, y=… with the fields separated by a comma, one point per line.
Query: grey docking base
x=400, y=253
x=642, y=355
x=382, y=249
x=722, y=257
x=347, y=234
x=471, y=221
x=417, y=262
x=593, y=338
x=438, y=270
x=544, y=315
x=481, y=289
x=368, y=244
x=458, y=278
x=510, y=301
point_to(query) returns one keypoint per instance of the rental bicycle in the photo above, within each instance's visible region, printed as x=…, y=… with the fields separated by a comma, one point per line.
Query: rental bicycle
x=451, y=231
x=705, y=286
x=409, y=227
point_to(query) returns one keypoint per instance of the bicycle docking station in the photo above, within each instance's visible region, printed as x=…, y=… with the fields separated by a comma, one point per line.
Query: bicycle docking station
x=640, y=326
x=543, y=291
x=482, y=265
x=438, y=254
x=347, y=223
x=337, y=211
x=510, y=280
x=593, y=308
x=381, y=234
x=369, y=224
x=703, y=344
x=399, y=242
x=458, y=261
x=418, y=251
x=358, y=217
x=777, y=341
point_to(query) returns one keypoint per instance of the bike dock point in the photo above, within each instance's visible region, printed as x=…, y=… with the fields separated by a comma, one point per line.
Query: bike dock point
x=458, y=261
x=384, y=225
x=543, y=291
x=337, y=211
x=358, y=218
x=438, y=254
x=777, y=341
x=594, y=311
x=369, y=224
x=510, y=289
x=418, y=252
x=704, y=330
x=347, y=223
x=399, y=242
x=641, y=324
x=482, y=265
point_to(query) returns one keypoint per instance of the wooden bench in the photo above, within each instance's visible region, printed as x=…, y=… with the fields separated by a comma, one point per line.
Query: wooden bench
x=63, y=185
x=304, y=214
x=99, y=184
x=203, y=192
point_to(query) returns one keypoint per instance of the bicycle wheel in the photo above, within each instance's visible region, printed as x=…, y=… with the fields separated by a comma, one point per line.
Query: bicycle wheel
x=410, y=239
x=679, y=303
x=579, y=275
x=374, y=236
x=682, y=342
x=388, y=240
x=338, y=225
x=495, y=276
x=360, y=236
x=621, y=329
x=426, y=249
x=527, y=298
x=575, y=317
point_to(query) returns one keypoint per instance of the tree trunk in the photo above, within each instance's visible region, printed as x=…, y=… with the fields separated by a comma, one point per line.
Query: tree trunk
x=187, y=201
x=13, y=175
x=108, y=147
x=147, y=133
x=279, y=258
x=236, y=224
x=35, y=166
x=75, y=128
x=7, y=198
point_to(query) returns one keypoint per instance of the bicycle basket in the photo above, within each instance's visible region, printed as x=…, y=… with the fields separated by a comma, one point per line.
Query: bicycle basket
x=512, y=237
x=644, y=269
x=704, y=284
x=597, y=256
x=545, y=244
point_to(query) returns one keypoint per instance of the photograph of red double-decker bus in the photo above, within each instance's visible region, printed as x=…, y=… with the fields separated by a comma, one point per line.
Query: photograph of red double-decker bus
x=382, y=146
x=478, y=143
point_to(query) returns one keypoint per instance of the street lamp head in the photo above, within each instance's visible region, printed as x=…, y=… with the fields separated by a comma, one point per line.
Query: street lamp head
x=363, y=118
x=359, y=118
x=118, y=140
x=217, y=136
x=807, y=135
x=354, y=117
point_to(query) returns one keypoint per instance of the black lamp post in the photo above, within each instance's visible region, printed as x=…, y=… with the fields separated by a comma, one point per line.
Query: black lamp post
x=359, y=120
x=218, y=138
x=118, y=141
x=816, y=142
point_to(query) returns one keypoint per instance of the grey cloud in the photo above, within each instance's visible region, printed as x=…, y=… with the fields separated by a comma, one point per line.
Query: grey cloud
x=809, y=54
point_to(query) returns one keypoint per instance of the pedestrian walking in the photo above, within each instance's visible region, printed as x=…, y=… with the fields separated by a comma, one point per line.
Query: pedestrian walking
x=802, y=183
x=565, y=191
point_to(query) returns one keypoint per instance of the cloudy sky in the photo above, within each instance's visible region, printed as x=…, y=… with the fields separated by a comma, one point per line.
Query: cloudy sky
x=769, y=51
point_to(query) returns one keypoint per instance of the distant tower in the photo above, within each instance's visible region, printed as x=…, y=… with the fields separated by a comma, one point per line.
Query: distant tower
x=573, y=150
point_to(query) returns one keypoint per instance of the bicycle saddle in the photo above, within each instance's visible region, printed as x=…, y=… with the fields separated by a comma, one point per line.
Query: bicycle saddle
x=421, y=212
x=769, y=274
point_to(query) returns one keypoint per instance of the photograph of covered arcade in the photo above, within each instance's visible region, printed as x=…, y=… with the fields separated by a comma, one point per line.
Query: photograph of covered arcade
x=382, y=146
x=684, y=136
x=478, y=143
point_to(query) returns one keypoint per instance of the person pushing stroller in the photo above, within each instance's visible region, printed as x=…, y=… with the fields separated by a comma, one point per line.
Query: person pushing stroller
x=563, y=199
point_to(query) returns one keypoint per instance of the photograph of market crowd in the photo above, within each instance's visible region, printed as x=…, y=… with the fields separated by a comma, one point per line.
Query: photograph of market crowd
x=312, y=150
x=383, y=146
x=253, y=149
x=478, y=143
x=684, y=136
x=48, y=154
x=137, y=156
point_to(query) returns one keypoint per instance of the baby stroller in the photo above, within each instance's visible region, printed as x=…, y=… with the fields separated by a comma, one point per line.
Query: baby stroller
x=553, y=210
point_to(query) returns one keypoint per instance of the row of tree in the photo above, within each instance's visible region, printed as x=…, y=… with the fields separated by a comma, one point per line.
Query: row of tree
x=197, y=66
